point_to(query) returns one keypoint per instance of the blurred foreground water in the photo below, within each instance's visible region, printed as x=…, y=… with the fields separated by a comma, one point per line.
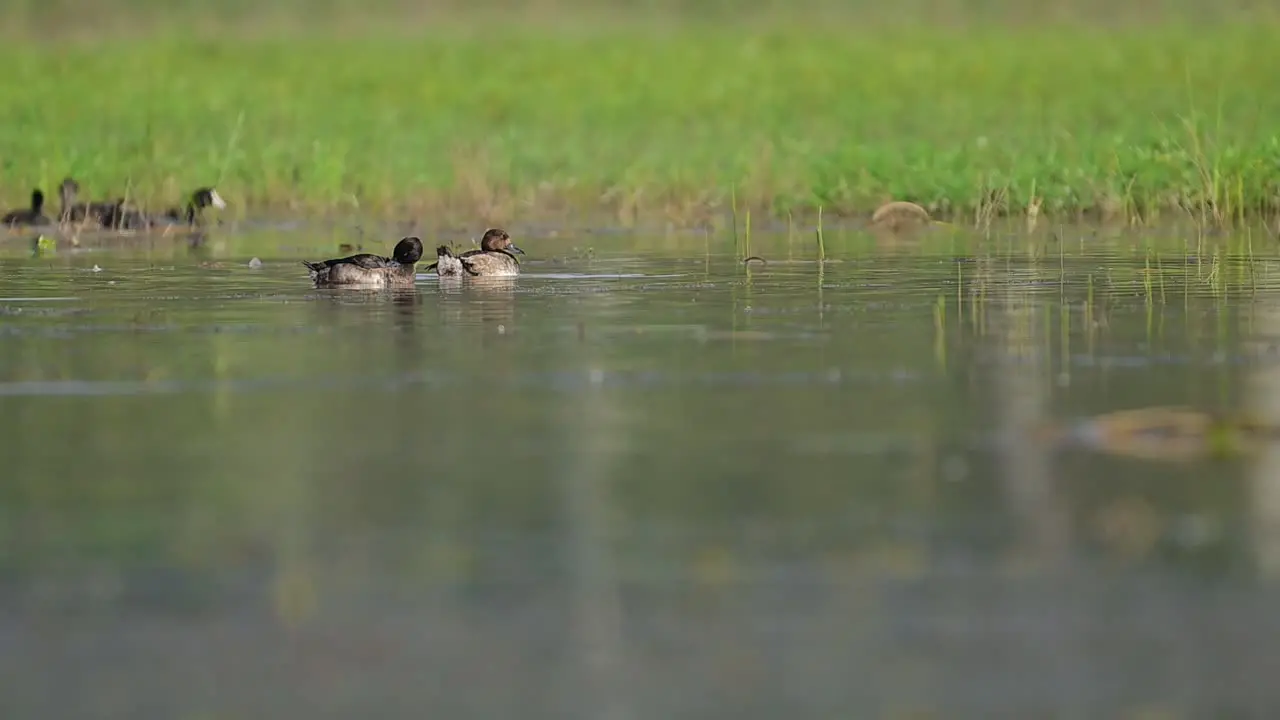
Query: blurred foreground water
x=634, y=486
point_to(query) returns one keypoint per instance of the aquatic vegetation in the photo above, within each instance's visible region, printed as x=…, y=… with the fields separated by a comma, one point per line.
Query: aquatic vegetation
x=672, y=124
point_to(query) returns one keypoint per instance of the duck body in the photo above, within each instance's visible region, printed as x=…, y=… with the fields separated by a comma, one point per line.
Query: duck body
x=121, y=215
x=490, y=263
x=33, y=215
x=495, y=258
x=95, y=212
x=369, y=271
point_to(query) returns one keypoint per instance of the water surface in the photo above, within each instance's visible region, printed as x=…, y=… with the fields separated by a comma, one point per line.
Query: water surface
x=632, y=484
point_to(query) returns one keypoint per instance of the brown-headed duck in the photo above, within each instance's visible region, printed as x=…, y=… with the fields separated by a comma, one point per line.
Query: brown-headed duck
x=495, y=258
x=74, y=212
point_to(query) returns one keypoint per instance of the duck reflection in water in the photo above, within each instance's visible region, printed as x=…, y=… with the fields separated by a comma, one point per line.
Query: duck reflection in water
x=485, y=301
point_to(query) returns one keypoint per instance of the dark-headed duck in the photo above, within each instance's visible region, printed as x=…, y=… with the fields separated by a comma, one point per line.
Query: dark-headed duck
x=33, y=215
x=369, y=271
x=190, y=214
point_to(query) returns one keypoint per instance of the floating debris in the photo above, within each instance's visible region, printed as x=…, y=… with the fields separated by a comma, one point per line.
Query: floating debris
x=1165, y=433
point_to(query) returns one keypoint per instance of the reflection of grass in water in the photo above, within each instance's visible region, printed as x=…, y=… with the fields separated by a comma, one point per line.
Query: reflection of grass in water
x=970, y=123
x=822, y=243
x=940, y=332
x=1090, y=298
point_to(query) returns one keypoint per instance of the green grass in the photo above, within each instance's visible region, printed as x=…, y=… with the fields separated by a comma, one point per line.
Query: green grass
x=661, y=124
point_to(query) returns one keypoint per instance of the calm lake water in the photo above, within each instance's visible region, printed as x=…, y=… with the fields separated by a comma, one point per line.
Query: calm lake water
x=628, y=485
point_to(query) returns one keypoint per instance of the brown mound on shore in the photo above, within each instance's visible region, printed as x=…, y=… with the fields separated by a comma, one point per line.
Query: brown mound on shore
x=900, y=215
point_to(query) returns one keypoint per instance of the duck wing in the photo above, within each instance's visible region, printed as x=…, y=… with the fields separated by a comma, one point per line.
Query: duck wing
x=368, y=261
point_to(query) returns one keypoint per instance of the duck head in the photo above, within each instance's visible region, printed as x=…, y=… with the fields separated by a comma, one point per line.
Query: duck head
x=69, y=189
x=207, y=197
x=498, y=239
x=408, y=251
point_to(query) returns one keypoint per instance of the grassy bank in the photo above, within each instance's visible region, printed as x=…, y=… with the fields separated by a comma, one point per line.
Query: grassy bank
x=660, y=125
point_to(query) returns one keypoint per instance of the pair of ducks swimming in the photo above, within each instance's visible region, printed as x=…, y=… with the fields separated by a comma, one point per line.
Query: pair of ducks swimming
x=495, y=258
x=116, y=215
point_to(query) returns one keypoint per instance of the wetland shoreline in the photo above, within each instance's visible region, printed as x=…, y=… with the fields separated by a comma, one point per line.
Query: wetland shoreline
x=665, y=128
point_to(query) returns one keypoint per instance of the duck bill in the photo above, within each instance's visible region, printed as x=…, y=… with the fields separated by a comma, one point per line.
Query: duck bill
x=217, y=200
x=514, y=249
